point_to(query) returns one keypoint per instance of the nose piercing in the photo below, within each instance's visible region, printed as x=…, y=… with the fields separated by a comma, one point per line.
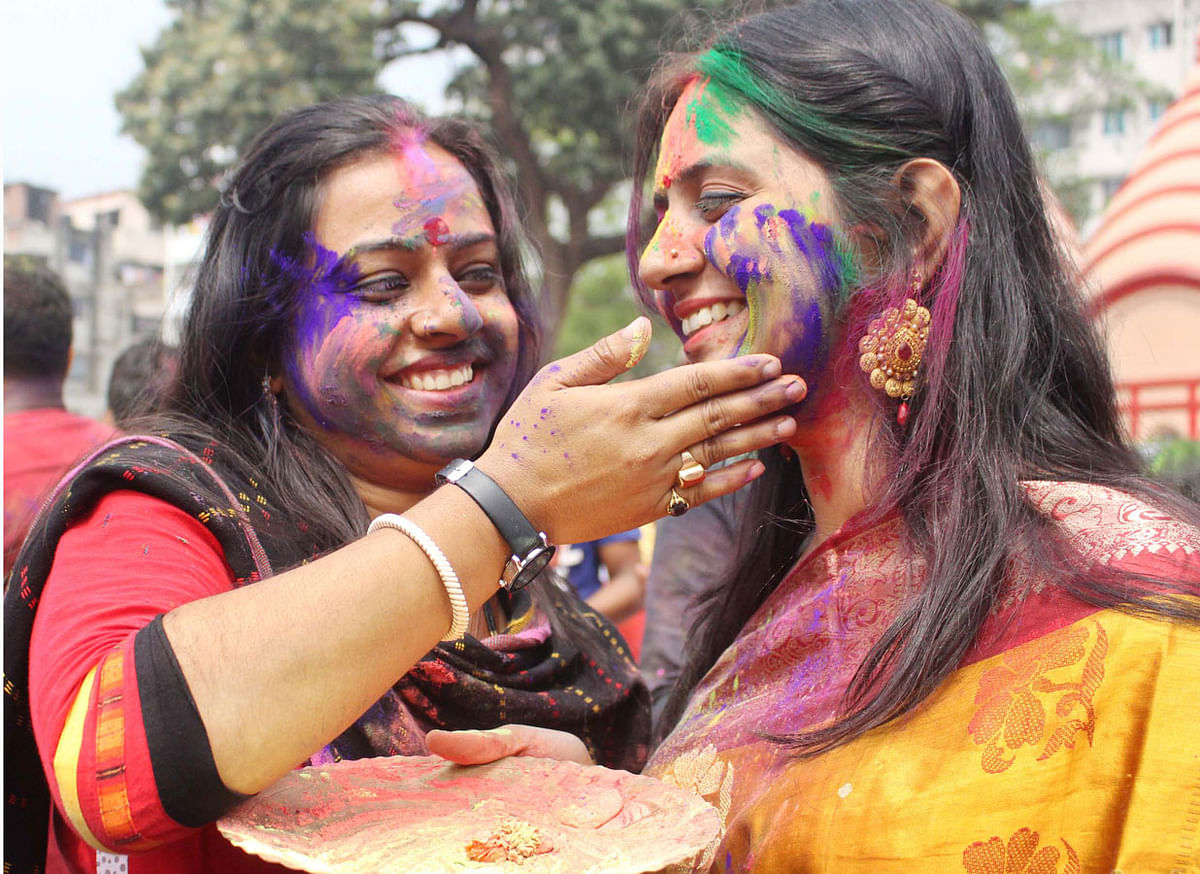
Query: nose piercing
x=674, y=253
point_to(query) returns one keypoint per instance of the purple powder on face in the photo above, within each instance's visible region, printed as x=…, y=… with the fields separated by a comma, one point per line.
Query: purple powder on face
x=742, y=268
x=805, y=354
x=818, y=244
x=327, y=279
x=800, y=339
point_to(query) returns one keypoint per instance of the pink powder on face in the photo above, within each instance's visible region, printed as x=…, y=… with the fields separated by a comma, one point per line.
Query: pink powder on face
x=679, y=139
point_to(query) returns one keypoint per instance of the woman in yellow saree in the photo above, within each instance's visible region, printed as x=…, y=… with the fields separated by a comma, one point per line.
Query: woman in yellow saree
x=960, y=633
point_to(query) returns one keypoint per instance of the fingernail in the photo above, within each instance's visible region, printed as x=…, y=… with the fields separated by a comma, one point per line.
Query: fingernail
x=785, y=427
x=755, y=470
x=635, y=329
x=796, y=390
x=772, y=368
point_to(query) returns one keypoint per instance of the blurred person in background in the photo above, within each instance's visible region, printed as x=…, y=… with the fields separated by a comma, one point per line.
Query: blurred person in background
x=607, y=573
x=610, y=576
x=139, y=380
x=41, y=437
x=691, y=555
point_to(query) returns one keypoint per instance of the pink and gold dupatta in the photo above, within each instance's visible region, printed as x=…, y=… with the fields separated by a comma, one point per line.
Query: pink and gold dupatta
x=1066, y=742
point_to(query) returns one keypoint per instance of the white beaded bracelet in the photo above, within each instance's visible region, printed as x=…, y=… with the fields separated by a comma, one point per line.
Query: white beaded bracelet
x=458, y=601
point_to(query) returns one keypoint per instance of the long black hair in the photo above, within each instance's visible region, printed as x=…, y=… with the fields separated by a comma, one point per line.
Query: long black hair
x=246, y=293
x=1016, y=384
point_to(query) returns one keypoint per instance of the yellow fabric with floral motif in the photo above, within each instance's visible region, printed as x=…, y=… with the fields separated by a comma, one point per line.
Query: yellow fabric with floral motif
x=1073, y=750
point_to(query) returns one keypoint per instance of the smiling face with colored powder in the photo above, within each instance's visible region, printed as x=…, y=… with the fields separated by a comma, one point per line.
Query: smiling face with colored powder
x=405, y=341
x=745, y=257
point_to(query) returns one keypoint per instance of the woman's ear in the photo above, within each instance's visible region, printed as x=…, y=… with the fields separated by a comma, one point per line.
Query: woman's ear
x=932, y=198
x=276, y=384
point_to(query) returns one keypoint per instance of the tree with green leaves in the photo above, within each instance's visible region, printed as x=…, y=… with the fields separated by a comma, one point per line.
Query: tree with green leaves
x=223, y=70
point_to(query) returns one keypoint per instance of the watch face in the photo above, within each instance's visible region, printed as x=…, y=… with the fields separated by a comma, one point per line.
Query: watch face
x=535, y=563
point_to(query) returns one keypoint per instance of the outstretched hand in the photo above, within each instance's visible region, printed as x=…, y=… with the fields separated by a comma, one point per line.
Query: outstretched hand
x=474, y=747
x=584, y=458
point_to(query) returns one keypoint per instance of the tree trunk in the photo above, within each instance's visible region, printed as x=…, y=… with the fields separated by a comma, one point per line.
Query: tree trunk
x=556, y=279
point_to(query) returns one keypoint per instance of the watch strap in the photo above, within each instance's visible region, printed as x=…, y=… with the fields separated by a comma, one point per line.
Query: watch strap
x=516, y=529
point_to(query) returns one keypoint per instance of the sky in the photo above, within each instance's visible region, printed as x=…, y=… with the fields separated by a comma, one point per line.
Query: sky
x=63, y=63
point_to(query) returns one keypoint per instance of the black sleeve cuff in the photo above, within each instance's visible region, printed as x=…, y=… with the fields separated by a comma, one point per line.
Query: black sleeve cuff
x=189, y=787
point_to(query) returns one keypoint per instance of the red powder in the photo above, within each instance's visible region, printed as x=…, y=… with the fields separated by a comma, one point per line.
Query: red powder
x=436, y=231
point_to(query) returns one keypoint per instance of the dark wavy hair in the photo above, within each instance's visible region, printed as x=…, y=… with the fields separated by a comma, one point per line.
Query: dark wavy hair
x=247, y=290
x=1016, y=385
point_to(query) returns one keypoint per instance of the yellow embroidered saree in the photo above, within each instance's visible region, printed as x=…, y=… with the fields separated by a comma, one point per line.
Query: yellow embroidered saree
x=1069, y=741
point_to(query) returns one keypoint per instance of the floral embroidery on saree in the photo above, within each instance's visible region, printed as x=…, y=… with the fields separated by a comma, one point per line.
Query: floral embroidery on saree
x=1046, y=684
x=702, y=771
x=1021, y=855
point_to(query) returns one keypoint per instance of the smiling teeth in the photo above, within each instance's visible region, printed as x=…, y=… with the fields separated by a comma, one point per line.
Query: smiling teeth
x=707, y=315
x=438, y=380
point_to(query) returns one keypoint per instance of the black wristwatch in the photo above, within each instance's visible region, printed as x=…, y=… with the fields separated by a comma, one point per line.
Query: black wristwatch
x=531, y=552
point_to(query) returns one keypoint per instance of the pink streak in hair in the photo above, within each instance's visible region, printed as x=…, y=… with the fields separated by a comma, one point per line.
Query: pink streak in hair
x=947, y=285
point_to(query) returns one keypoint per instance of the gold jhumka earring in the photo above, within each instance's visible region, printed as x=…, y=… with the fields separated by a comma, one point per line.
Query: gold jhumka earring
x=893, y=347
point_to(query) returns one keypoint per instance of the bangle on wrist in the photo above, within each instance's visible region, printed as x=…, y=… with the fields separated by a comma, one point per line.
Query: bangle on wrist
x=460, y=614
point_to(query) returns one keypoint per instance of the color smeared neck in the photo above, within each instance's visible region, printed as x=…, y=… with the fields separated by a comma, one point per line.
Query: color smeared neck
x=833, y=445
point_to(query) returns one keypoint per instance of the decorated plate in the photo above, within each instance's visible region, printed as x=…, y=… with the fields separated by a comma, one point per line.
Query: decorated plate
x=424, y=814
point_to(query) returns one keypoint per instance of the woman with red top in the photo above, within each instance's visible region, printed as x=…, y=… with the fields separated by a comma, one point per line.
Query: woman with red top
x=199, y=610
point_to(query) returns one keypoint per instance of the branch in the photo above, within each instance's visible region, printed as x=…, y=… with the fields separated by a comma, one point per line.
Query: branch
x=598, y=246
x=461, y=25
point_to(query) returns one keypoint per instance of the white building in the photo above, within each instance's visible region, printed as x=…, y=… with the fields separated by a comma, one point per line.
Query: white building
x=1158, y=38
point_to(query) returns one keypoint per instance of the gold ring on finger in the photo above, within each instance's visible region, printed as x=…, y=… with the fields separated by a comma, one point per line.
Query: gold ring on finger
x=691, y=473
x=677, y=505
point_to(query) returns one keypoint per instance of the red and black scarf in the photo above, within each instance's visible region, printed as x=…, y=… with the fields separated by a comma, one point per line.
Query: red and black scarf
x=525, y=674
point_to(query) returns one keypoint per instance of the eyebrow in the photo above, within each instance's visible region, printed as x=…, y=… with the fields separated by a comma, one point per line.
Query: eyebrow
x=691, y=173
x=410, y=243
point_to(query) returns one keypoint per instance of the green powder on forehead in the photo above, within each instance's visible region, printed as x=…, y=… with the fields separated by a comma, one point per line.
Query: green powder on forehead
x=709, y=113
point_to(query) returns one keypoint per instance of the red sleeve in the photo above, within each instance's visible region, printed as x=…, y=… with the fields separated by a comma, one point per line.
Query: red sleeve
x=130, y=560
